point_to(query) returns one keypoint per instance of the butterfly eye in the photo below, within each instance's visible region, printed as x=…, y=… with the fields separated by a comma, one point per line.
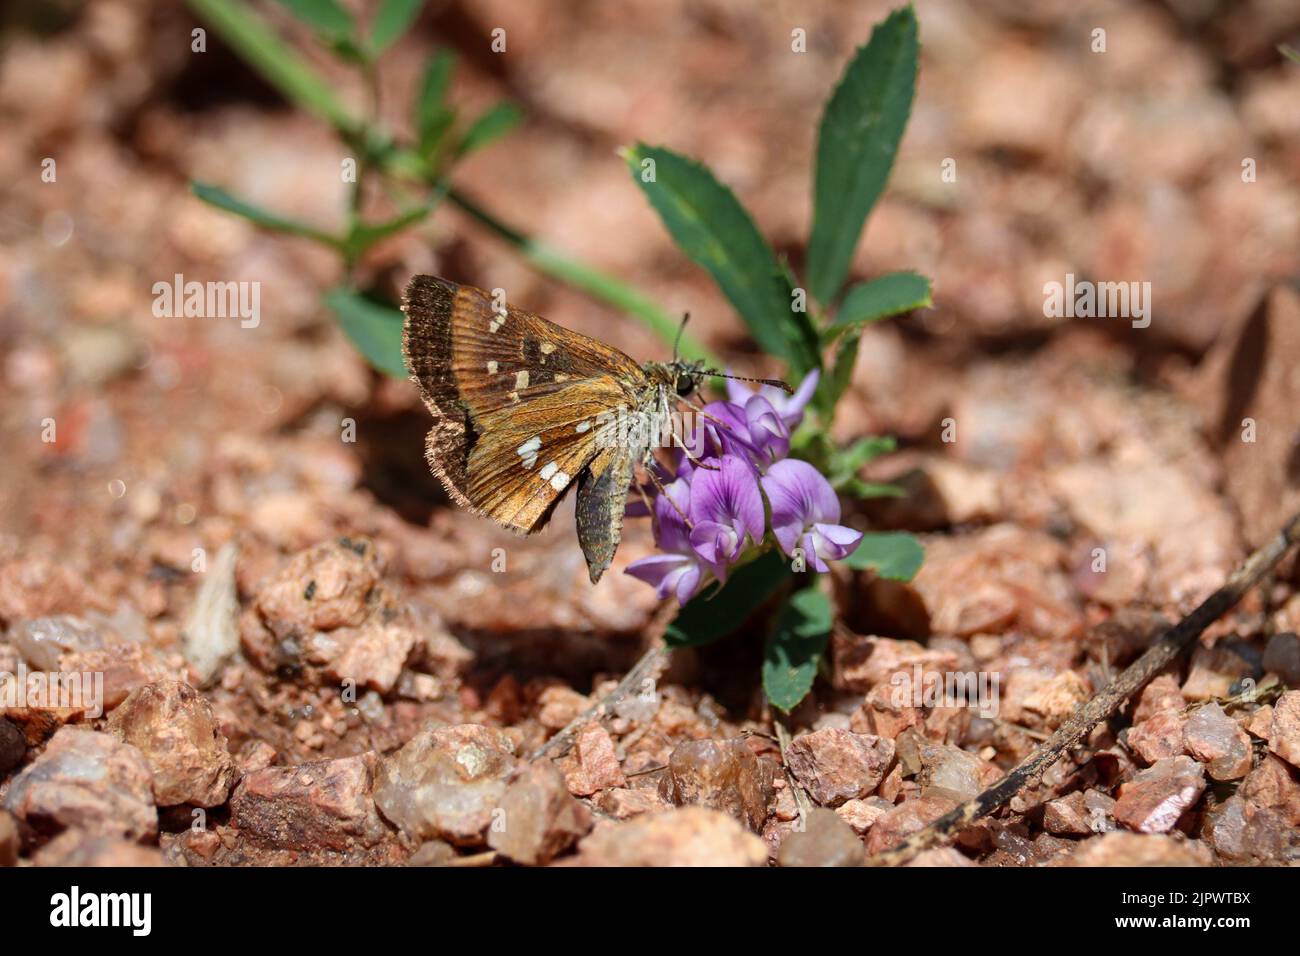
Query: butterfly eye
x=685, y=385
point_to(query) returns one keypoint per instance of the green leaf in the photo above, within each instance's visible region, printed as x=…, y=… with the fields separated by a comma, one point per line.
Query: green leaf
x=326, y=17
x=856, y=144
x=216, y=196
x=880, y=298
x=392, y=20
x=794, y=648
x=896, y=556
x=833, y=385
x=374, y=328
x=492, y=124
x=718, y=611
x=846, y=462
x=432, y=115
x=364, y=235
x=1289, y=52
x=858, y=488
x=712, y=228
x=249, y=35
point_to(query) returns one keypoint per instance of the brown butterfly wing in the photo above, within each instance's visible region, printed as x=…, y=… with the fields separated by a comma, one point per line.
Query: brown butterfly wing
x=494, y=383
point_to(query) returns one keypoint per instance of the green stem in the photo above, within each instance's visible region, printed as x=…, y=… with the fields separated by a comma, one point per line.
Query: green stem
x=249, y=35
x=590, y=280
x=245, y=31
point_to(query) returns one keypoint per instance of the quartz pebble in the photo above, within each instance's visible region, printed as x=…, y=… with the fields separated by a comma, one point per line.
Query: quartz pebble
x=1216, y=739
x=1133, y=849
x=904, y=820
x=539, y=819
x=1284, y=733
x=1159, y=736
x=688, y=836
x=446, y=783
x=87, y=781
x=722, y=775
x=825, y=840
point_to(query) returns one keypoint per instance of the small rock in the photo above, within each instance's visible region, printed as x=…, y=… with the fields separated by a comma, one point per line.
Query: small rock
x=558, y=706
x=78, y=848
x=1067, y=815
x=1284, y=735
x=1215, y=738
x=905, y=819
x=598, y=766
x=622, y=803
x=1160, y=695
x=1158, y=737
x=884, y=714
x=839, y=765
x=940, y=856
x=323, y=588
x=13, y=746
x=446, y=783
x=1132, y=849
x=1153, y=801
x=689, y=836
x=722, y=775
x=1260, y=722
x=1282, y=657
x=10, y=839
x=1273, y=785
x=1053, y=702
x=174, y=728
x=861, y=814
x=87, y=781
x=1242, y=832
x=949, y=771
x=539, y=819
x=432, y=853
x=255, y=755
x=825, y=840
x=43, y=641
x=314, y=806
x=372, y=655
x=860, y=663
x=1214, y=671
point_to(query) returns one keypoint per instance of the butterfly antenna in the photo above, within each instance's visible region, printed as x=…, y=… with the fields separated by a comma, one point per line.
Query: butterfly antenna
x=686, y=317
x=713, y=372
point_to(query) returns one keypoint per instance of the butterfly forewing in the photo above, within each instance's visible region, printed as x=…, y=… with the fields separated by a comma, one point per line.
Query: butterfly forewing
x=516, y=401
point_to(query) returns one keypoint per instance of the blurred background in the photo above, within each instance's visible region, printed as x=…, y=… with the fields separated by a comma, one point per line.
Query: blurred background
x=183, y=433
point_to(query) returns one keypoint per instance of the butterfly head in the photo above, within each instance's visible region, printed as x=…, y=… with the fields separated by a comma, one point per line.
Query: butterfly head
x=682, y=377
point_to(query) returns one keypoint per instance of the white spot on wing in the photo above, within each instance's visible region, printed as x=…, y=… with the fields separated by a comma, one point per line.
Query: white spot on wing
x=528, y=451
x=550, y=469
x=583, y=426
x=559, y=480
x=521, y=379
x=492, y=368
x=548, y=348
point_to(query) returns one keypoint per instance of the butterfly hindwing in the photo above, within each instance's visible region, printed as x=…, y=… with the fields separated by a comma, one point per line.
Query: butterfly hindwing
x=602, y=497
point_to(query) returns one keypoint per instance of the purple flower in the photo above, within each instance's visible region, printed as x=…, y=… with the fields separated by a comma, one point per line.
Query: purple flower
x=726, y=509
x=806, y=512
x=768, y=431
x=789, y=407
x=679, y=570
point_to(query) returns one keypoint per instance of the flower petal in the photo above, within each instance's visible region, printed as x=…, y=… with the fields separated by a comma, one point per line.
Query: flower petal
x=835, y=542
x=793, y=405
x=660, y=571
x=728, y=494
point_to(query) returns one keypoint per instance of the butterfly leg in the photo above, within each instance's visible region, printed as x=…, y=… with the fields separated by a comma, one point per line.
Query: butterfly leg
x=647, y=464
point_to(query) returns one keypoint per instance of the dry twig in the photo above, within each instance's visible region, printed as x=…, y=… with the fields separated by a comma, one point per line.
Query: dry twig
x=1102, y=706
